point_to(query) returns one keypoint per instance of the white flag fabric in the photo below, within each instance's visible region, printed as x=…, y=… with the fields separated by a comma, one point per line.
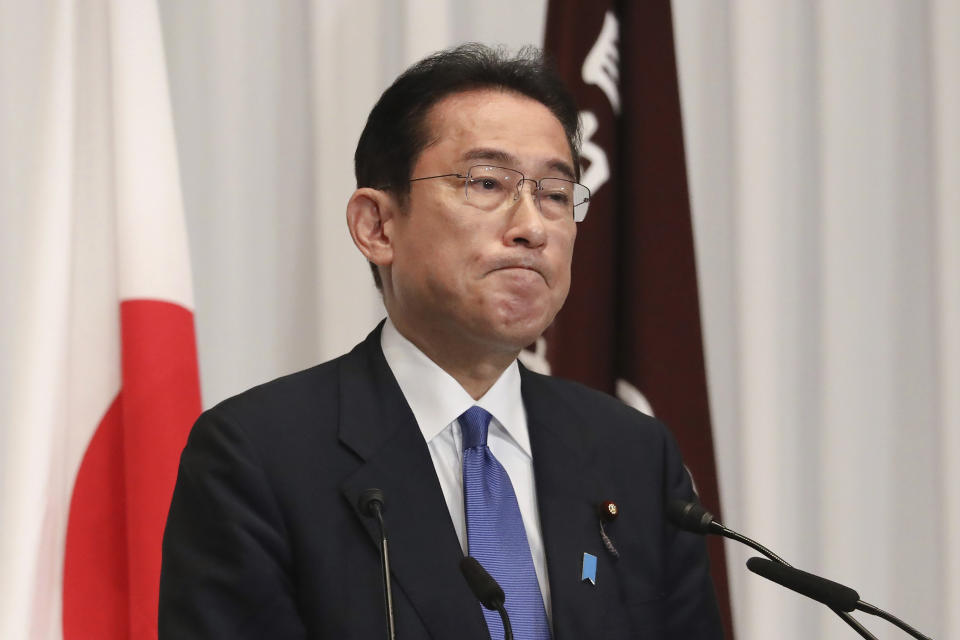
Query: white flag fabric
x=99, y=369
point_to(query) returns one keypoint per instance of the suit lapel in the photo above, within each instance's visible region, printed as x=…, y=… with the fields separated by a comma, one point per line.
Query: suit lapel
x=377, y=424
x=568, y=490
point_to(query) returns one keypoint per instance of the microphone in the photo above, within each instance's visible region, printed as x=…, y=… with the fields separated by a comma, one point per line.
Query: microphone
x=486, y=590
x=690, y=515
x=833, y=594
x=371, y=504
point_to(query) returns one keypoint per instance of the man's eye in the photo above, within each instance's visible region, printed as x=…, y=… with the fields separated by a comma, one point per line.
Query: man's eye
x=558, y=197
x=486, y=184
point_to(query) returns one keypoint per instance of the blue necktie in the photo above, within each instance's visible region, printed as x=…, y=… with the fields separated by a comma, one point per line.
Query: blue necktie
x=495, y=533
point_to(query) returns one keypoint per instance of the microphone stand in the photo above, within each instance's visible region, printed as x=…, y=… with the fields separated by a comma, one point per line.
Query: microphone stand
x=833, y=594
x=866, y=607
x=733, y=535
x=691, y=516
x=371, y=504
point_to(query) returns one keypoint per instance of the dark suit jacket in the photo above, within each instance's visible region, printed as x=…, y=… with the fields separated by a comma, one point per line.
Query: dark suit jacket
x=264, y=538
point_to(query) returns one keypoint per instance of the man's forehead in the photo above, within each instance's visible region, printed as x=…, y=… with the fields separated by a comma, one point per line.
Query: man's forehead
x=483, y=121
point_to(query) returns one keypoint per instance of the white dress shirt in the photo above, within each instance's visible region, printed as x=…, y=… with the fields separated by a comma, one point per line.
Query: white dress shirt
x=437, y=400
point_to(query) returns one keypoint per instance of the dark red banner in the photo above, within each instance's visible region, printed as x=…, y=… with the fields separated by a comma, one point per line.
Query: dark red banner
x=631, y=325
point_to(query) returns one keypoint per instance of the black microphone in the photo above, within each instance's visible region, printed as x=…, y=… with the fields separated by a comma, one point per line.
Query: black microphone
x=833, y=594
x=690, y=515
x=487, y=591
x=371, y=503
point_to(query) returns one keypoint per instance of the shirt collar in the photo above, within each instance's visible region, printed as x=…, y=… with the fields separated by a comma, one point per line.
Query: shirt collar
x=437, y=399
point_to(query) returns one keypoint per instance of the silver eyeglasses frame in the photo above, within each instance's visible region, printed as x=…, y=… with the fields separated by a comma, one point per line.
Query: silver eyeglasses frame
x=580, y=194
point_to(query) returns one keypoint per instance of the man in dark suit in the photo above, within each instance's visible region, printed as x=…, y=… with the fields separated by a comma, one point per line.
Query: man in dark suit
x=467, y=208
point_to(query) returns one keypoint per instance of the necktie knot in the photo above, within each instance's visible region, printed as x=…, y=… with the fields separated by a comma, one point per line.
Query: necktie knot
x=474, y=422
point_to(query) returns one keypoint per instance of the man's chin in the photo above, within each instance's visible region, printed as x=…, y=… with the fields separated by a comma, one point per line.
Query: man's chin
x=521, y=333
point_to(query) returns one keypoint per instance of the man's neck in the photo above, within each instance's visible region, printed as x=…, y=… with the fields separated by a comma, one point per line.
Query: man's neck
x=475, y=367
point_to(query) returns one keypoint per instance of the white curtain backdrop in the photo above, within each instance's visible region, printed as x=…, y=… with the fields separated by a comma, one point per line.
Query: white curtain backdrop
x=823, y=140
x=823, y=145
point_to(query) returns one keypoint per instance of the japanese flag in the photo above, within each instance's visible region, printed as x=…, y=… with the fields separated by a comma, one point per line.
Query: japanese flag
x=106, y=384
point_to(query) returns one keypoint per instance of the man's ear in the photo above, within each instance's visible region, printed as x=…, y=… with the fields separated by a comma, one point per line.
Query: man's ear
x=369, y=216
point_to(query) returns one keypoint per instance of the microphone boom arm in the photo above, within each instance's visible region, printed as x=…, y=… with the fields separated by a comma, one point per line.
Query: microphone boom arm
x=753, y=544
x=691, y=516
x=866, y=607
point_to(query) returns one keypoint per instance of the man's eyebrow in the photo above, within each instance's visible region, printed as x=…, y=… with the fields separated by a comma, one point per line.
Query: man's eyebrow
x=508, y=160
x=563, y=168
x=493, y=155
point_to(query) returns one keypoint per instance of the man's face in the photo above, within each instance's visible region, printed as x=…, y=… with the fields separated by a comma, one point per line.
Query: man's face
x=488, y=279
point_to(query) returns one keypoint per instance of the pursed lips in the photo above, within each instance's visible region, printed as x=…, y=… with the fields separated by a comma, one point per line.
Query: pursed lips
x=514, y=263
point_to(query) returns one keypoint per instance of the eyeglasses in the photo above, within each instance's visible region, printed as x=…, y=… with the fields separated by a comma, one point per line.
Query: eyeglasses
x=488, y=188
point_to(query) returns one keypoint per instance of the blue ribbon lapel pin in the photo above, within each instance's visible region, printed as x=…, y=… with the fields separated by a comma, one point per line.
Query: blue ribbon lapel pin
x=588, y=569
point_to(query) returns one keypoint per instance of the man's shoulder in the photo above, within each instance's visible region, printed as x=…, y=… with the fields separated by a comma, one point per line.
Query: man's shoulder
x=278, y=421
x=309, y=385
x=568, y=397
x=306, y=401
x=314, y=388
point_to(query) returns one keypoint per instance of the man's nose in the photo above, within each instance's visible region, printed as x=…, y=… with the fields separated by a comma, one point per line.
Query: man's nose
x=526, y=222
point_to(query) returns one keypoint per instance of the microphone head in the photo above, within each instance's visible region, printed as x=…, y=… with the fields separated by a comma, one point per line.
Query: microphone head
x=830, y=593
x=371, y=501
x=484, y=587
x=690, y=516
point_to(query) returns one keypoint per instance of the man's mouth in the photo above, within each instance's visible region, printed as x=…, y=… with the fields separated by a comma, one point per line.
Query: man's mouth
x=514, y=264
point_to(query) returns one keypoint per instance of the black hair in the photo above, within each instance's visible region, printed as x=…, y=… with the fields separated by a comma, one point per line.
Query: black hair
x=396, y=130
